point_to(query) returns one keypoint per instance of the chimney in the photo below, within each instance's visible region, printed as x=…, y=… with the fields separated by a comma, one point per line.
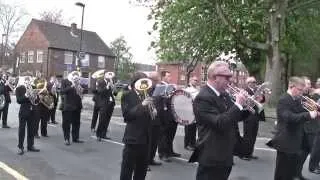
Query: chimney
x=74, y=29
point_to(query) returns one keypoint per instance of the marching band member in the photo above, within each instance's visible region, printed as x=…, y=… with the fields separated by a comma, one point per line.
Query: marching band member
x=52, y=87
x=42, y=112
x=155, y=128
x=217, y=118
x=168, y=126
x=71, y=105
x=5, y=90
x=190, y=131
x=136, y=136
x=251, y=123
x=95, y=112
x=105, y=101
x=288, y=140
x=26, y=117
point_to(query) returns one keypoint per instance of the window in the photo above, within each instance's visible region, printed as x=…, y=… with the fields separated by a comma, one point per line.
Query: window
x=30, y=56
x=68, y=57
x=23, y=57
x=86, y=60
x=101, y=62
x=182, y=77
x=39, y=56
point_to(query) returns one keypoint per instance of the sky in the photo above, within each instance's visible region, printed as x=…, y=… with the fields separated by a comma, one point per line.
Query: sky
x=109, y=18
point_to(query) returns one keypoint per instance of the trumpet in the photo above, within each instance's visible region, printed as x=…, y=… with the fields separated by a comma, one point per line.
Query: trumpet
x=309, y=104
x=143, y=85
x=250, y=102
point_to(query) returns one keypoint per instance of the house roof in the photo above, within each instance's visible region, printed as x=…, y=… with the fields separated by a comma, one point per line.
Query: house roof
x=59, y=36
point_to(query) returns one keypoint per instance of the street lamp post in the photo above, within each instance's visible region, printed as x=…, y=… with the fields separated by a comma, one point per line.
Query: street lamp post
x=80, y=47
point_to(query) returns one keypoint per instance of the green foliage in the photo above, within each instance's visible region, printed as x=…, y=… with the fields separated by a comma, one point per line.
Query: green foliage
x=123, y=64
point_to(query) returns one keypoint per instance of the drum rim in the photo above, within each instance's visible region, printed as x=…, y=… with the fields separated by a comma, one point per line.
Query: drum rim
x=176, y=117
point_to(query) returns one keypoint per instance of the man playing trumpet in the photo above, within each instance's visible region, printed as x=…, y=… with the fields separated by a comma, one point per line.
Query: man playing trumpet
x=6, y=88
x=105, y=102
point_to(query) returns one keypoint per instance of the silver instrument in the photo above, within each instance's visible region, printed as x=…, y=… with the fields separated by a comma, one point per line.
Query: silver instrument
x=143, y=85
x=74, y=77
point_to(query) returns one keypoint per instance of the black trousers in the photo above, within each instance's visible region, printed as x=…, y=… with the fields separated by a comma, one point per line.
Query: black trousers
x=52, y=113
x=71, y=118
x=213, y=172
x=155, y=134
x=30, y=123
x=105, y=114
x=171, y=135
x=286, y=166
x=134, y=161
x=250, y=132
x=190, y=132
x=95, y=115
x=307, y=147
x=4, y=114
x=42, y=116
x=315, y=153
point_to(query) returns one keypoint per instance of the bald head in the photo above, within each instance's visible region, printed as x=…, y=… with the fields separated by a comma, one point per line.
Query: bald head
x=155, y=77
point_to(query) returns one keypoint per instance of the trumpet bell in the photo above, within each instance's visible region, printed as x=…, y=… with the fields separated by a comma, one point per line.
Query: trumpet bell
x=98, y=74
x=143, y=84
x=74, y=75
x=109, y=75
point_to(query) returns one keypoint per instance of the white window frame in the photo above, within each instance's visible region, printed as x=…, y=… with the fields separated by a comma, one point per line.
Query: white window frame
x=23, y=57
x=68, y=54
x=86, y=60
x=30, y=56
x=182, y=77
x=39, y=54
x=101, y=61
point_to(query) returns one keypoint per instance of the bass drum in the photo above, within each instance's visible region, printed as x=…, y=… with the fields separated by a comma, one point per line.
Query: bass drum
x=182, y=109
x=2, y=101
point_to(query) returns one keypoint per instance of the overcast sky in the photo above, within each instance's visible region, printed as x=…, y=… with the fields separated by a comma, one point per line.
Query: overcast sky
x=109, y=18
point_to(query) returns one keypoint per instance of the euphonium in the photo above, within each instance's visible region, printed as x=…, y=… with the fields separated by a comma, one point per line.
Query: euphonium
x=250, y=102
x=74, y=77
x=143, y=85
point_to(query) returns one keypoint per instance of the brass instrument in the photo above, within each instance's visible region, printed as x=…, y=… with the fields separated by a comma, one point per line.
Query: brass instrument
x=32, y=94
x=43, y=94
x=74, y=77
x=250, y=102
x=309, y=104
x=143, y=85
x=98, y=74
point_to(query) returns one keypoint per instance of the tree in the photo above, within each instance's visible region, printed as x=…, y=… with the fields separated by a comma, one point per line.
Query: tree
x=53, y=16
x=123, y=63
x=11, y=17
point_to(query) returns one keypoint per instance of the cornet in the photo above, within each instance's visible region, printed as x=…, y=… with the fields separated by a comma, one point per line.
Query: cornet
x=143, y=85
x=250, y=102
x=309, y=104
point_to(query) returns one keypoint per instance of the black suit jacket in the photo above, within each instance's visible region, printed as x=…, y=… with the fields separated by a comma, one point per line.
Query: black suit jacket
x=217, y=121
x=137, y=118
x=291, y=118
x=5, y=90
x=102, y=95
x=26, y=107
x=70, y=101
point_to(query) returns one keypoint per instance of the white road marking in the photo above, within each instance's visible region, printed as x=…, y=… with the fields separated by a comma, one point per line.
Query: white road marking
x=12, y=172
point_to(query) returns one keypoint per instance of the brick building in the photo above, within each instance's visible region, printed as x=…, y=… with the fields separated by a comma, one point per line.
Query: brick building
x=53, y=49
x=179, y=71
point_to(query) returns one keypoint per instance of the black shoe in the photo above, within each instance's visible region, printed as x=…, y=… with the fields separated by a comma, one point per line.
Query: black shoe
x=246, y=158
x=106, y=137
x=67, y=142
x=254, y=157
x=189, y=148
x=155, y=163
x=165, y=159
x=148, y=169
x=5, y=126
x=173, y=154
x=20, y=152
x=78, y=141
x=33, y=149
x=54, y=122
x=45, y=136
x=316, y=171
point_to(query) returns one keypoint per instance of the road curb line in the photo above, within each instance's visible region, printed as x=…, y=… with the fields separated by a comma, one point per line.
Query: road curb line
x=12, y=172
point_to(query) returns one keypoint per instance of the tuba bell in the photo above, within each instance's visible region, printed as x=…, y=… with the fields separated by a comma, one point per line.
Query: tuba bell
x=74, y=77
x=143, y=85
x=98, y=74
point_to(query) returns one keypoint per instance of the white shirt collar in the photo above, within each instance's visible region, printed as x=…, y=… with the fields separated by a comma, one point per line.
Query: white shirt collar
x=163, y=82
x=214, y=90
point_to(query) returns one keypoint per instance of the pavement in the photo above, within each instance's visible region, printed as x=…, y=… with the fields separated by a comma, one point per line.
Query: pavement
x=101, y=160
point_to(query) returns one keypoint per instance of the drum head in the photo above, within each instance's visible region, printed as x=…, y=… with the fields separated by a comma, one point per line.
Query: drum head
x=181, y=104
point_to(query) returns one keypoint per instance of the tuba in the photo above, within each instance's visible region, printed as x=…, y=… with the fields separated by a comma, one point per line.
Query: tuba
x=143, y=85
